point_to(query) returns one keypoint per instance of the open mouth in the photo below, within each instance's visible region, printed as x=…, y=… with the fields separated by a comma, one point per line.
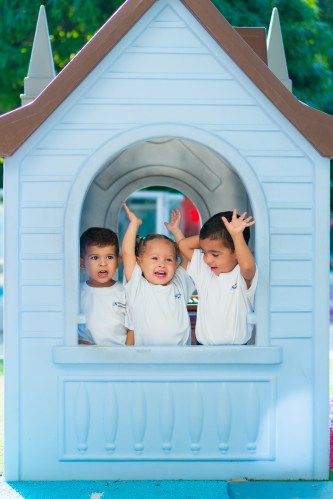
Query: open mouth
x=160, y=274
x=102, y=274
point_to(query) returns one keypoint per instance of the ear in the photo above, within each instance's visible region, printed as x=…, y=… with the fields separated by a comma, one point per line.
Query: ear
x=82, y=266
x=119, y=261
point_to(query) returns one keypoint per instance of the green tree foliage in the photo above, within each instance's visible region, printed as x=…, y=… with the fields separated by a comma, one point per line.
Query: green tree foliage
x=306, y=24
x=71, y=25
x=307, y=31
x=326, y=7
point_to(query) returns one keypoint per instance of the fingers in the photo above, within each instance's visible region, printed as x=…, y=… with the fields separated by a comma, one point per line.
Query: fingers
x=175, y=216
x=131, y=216
x=243, y=216
x=175, y=213
x=247, y=220
x=236, y=220
x=129, y=213
x=126, y=208
x=225, y=221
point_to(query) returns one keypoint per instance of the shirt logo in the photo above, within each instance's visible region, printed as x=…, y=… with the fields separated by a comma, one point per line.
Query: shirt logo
x=178, y=295
x=118, y=304
x=234, y=286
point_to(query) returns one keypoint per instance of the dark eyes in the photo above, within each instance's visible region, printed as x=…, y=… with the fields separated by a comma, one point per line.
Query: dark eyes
x=95, y=257
x=215, y=255
x=167, y=259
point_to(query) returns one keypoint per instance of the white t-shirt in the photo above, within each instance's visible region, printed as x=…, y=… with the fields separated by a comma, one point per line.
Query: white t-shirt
x=158, y=313
x=105, y=314
x=224, y=302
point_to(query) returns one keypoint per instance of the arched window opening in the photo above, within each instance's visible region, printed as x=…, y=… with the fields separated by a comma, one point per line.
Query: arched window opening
x=154, y=176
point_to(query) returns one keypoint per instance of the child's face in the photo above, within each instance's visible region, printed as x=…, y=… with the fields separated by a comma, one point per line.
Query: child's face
x=100, y=263
x=158, y=262
x=218, y=257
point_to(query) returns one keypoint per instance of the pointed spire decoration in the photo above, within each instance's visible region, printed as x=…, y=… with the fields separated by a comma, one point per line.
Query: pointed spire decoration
x=275, y=51
x=41, y=68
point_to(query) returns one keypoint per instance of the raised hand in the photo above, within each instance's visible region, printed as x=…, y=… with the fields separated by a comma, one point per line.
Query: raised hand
x=131, y=216
x=128, y=244
x=238, y=224
x=174, y=223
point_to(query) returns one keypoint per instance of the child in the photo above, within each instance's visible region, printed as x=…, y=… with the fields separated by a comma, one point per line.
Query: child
x=157, y=287
x=225, y=275
x=103, y=300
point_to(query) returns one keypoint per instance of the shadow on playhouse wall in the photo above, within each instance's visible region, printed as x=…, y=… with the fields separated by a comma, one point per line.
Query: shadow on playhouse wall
x=166, y=93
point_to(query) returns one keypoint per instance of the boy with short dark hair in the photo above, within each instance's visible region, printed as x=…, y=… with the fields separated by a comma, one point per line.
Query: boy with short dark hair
x=102, y=299
x=225, y=274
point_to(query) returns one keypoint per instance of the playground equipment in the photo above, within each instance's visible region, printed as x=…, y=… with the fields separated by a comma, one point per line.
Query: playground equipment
x=166, y=93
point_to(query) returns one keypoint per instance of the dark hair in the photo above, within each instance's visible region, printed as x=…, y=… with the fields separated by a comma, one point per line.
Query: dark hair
x=214, y=228
x=141, y=243
x=98, y=236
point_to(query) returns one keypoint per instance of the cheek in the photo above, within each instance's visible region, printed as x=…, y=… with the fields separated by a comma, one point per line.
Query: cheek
x=172, y=266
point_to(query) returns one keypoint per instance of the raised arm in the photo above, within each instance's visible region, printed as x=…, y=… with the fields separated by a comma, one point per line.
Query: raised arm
x=128, y=245
x=243, y=253
x=174, y=227
x=188, y=245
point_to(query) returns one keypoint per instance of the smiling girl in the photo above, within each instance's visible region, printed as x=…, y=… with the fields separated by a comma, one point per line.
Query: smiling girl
x=157, y=286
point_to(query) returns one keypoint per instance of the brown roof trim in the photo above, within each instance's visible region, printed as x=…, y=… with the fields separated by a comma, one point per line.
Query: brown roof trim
x=256, y=38
x=316, y=126
x=18, y=125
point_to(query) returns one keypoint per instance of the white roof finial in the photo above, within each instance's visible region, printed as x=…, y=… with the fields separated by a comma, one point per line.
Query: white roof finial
x=275, y=51
x=41, y=68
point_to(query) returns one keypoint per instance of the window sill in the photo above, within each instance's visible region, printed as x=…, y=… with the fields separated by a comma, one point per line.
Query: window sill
x=168, y=355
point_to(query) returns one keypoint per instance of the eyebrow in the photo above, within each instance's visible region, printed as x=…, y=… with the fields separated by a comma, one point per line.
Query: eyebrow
x=98, y=254
x=167, y=256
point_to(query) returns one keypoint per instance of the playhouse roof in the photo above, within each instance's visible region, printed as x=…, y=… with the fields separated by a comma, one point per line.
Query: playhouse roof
x=16, y=126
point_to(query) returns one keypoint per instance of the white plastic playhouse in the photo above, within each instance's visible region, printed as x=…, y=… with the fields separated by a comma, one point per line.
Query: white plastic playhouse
x=166, y=93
